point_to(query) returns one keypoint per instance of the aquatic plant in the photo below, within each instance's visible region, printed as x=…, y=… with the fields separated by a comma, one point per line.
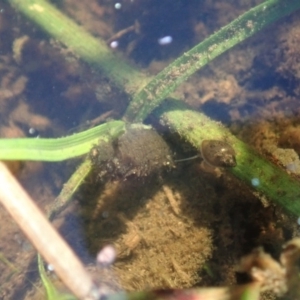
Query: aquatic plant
x=191, y=126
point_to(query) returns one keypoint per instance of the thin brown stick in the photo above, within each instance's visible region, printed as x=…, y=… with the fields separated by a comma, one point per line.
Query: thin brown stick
x=44, y=237
x=121, y=33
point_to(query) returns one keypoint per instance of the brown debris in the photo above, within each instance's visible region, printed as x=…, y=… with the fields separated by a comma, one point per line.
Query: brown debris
x=139, y=152
x=278, y=277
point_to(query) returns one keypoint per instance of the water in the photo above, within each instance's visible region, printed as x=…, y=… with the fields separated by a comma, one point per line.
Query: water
x=186, y=227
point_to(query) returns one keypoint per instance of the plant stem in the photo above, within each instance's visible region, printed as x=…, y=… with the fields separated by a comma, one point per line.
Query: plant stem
x=266, y=178
x=69, y=189
x=182, y=68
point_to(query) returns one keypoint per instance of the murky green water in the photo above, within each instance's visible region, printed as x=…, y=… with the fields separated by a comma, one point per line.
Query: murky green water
x=183, y=227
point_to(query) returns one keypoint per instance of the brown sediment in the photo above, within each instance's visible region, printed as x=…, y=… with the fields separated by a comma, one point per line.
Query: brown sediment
x=196, y=233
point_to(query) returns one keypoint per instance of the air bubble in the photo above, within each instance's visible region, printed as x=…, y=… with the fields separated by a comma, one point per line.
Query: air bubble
x=255, y=182
x=106, y=256
x=114, y=44
x=50, y=268
x=33, y=132
x=165, y=40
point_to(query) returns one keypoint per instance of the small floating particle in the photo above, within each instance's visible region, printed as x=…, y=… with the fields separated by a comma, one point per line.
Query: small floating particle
x=50, y=268
x=33, y=132
x=118, y=5
x=114, y=44
x=106, y=256
x=165, y=40
x=255, y=182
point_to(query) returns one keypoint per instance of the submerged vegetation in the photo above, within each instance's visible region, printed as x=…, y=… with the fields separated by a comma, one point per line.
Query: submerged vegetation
x=185, y=126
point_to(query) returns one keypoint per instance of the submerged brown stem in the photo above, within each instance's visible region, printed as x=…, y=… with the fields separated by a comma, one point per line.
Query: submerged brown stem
x=44, y=237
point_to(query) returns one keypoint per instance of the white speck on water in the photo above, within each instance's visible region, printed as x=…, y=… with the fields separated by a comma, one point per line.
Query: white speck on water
x=255, y=181
x=31, y=130
x=118, y=5
x=106, y=256
x=114, y=44
x=50, y=268
x=165, y=40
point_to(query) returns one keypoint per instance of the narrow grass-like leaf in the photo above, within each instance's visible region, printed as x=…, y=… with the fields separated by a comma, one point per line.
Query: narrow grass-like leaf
x=51, y=291
x=43, y=149
x=182, y=68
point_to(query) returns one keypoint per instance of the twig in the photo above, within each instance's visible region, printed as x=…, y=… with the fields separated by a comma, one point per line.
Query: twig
x=44, y=237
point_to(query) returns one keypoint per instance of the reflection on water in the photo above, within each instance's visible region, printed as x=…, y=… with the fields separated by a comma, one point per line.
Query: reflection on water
x=184, y=227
